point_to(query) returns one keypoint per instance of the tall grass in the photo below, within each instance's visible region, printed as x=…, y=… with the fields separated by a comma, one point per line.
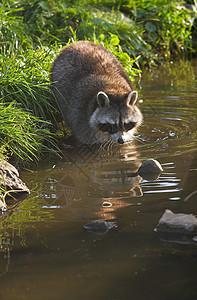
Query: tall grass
x=21, y=133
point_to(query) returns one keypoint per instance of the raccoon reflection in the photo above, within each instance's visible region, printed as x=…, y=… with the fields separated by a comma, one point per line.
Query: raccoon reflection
x=95, y=94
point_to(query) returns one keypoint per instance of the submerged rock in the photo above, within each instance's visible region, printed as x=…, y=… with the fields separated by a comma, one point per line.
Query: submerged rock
x=99, y=226
x=177, y=223
x=150, y=169
x=10, y=182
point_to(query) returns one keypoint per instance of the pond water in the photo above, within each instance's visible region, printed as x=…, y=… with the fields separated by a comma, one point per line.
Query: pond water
x=46, y=253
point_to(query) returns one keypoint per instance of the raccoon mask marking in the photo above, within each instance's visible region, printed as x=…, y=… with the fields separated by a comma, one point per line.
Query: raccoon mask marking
x=116, y=122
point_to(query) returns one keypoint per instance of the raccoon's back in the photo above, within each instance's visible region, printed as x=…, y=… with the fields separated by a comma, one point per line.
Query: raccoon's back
x=89, y=65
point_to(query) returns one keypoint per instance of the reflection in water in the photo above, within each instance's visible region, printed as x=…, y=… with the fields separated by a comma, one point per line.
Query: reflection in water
x=170, y=109
x=5, y=244
x=15, y=223
x=98, y=188
x=176, y=238
x=59, y=191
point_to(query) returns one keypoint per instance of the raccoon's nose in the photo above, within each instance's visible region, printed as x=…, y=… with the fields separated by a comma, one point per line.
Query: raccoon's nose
x=120, y=141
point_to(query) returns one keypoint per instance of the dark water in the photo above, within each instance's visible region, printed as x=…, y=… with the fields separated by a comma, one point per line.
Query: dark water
x=47, y=254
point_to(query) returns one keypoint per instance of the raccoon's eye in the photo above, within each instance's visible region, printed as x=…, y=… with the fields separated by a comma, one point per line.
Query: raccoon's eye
x=107, y=127
x=129, y=126
x=113, y=128
x=104, y=127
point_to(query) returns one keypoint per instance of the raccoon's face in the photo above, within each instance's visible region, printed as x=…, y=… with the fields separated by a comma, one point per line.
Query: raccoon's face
x=116, y=122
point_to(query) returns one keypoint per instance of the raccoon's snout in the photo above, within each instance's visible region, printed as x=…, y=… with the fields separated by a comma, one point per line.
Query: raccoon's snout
x=120, y=140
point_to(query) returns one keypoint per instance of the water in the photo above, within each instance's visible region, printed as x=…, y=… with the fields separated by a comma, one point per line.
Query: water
x=46, y=253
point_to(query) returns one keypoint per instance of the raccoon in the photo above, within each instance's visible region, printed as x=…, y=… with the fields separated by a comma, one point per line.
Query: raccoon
x=95, y=94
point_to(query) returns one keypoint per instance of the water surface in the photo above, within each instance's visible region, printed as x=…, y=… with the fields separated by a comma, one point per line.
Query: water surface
x=47, y=254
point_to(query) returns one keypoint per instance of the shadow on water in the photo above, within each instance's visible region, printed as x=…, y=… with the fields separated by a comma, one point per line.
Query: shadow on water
x=45, y=250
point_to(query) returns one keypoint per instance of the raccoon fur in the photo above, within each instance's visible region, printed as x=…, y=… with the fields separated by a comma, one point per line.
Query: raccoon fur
x=95, y=94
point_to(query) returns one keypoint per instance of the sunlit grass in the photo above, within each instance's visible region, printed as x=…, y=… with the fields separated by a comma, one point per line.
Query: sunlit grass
x=22, y=134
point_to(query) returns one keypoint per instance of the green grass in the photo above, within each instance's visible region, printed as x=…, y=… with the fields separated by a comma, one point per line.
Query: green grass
x=21, y=133
x=32, y=32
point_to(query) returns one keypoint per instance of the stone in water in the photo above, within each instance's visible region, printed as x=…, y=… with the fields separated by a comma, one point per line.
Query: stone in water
x=99, y=226
x=150, y=169
x=179, y=223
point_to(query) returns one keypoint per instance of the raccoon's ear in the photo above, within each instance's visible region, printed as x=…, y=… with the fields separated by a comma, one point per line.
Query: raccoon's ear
x=102, y=99
x=132, y=98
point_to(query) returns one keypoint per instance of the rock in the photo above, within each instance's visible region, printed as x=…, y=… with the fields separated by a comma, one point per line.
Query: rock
x=99, y=226
x=177, y=223
x=150, y=169
x=10, y=181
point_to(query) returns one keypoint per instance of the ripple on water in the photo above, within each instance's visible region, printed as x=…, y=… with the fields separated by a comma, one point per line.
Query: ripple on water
x=172, y=134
